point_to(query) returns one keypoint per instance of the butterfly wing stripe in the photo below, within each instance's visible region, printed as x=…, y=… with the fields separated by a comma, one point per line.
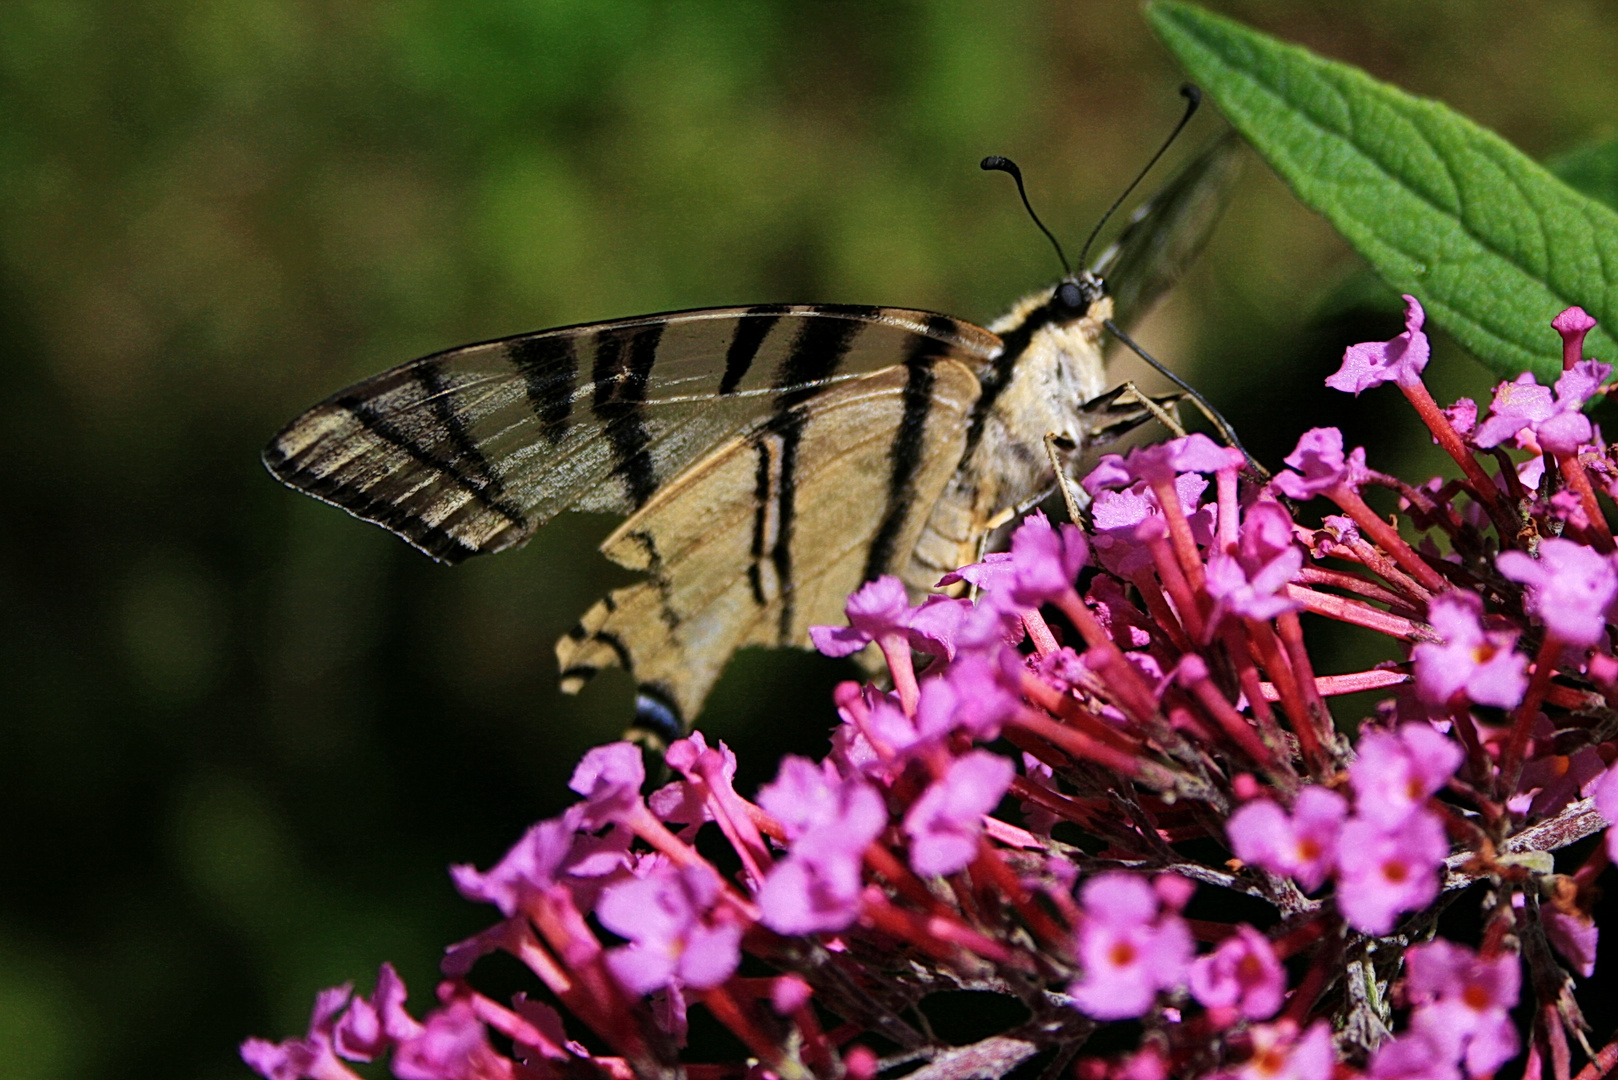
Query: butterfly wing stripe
x=816, y=353
x=751, y=330
x=995, y=378
x=623, y=364
x=442, y=402
x=905, y=455
x=382, y=428
x=550, y=369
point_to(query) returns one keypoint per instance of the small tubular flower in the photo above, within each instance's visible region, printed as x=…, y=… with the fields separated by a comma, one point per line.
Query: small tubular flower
x=1128, y=949
x=1399, y=360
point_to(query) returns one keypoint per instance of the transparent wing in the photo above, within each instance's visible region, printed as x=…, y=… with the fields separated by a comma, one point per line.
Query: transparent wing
x=1168, y=232
x=468, y=451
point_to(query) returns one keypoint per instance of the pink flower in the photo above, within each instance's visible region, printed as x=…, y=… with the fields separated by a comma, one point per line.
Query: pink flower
x=1559, y=426
x=1262, y=595
x=1395, y=772
x=945, y=823
x=312, y=1055
x=1383, y=871
x=1128, y=949
x=1373, y=363
x=1570, y=587
x=1574, y=935
x=1045, y=561
x=817, y=886
x=1162, y=462
x=1463, y=1002
x=452, y=1044
x=881, y=608
x=1116, y=516
x=1481, y=664
x=1605, y=793
x=1573, y=323
x=1412, y=1056
x=1242, y=973
x=1280, y=1053
x=373, y=1024
x=666, y=917
x=1320, y=465
x=1302, y=845
x=550, y=852
x=610, y=778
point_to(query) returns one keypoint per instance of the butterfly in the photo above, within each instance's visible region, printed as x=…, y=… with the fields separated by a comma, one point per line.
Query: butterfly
x=769, y=458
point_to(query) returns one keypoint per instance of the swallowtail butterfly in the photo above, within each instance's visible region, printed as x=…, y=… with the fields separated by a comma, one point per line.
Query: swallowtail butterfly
x=769, y=458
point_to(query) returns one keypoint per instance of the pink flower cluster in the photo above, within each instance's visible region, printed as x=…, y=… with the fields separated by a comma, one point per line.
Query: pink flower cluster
x=1084, y=758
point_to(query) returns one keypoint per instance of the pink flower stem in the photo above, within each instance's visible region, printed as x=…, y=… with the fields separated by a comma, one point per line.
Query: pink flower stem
x=1176, y=585
x=896, y=651
x=1577, y=479
x=1236, y=727
x=1354, y=583
x=1000, y=878
x=1601, y=1065
x=1324, y=729
x=1386, y=537
x=738, y=827
x=1561, y=1058
x=1482, y=486
x=1038, y=632
x=1167, y=621
x=1185, y=545
x=728, y=1011
x=1083, y=746
x=1229, y=509
x=1268, y=648
x=1129, y=691
x=1477, y=759
x=1247, y=676
x=883, y=861
x=937, y=937
x=1356, y=613
x=1063, y=806
x=1385, y=568
x=1522, y=721
x=1044, y=695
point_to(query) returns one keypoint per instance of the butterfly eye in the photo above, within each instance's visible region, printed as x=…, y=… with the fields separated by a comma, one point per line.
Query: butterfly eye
x=1070, y=297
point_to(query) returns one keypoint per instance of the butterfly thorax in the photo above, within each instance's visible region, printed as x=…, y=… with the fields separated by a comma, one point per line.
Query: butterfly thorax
x=1049, y=368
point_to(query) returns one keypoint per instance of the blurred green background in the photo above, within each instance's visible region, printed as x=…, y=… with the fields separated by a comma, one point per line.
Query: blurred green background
x=242, y=735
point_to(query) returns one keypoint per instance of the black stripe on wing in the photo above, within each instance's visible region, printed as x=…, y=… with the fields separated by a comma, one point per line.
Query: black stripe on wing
x=905, y=455
x=816, y=354
x=623, y=365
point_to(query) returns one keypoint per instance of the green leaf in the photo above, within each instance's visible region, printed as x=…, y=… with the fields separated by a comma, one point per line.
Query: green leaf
x=1590, y=170
x=1489, y=241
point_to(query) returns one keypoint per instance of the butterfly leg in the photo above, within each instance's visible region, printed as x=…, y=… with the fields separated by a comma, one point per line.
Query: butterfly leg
x=1076, y=500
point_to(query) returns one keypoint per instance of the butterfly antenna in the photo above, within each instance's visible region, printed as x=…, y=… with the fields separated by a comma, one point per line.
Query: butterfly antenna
x=1227, y=432
x=996, y=163
x=1193, y=98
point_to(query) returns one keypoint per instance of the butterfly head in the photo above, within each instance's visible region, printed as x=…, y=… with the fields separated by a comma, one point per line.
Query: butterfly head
x=1073, y=296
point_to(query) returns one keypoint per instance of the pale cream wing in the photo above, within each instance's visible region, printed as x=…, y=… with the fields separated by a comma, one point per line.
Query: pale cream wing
x=770, y=533
x=468, y=451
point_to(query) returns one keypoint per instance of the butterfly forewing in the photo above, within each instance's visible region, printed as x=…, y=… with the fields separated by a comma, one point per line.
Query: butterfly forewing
x=468, y=451
x=770, y=533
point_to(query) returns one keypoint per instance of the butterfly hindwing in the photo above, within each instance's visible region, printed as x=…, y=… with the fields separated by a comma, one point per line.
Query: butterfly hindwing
x=468, y=451
x=770, y=533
